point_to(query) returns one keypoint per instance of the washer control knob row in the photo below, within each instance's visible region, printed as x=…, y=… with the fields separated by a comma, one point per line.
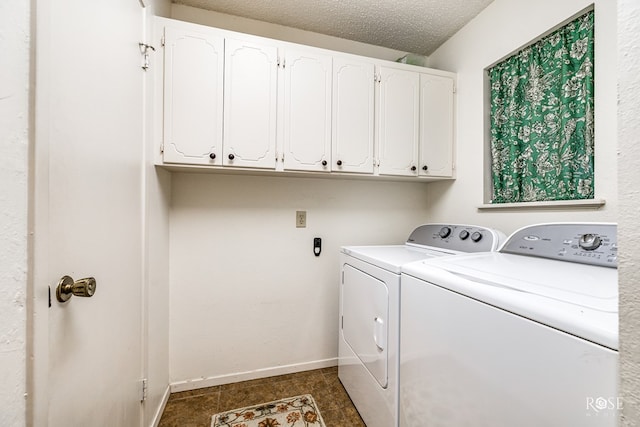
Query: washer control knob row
x=590, y=242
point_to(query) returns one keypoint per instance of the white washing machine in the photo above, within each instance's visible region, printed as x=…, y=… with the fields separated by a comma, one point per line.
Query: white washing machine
x=369, y=311
x=527, y=336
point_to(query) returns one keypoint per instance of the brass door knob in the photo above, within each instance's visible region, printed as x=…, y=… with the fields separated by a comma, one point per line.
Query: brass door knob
x=67, y=287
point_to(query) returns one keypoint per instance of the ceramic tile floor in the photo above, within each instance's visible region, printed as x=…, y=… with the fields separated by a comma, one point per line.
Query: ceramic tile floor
x=195, y=408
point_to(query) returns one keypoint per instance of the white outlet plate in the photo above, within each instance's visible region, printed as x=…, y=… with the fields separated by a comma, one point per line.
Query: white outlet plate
x=301, y=219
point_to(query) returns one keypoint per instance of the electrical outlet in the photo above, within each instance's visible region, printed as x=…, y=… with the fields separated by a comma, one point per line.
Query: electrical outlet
x=301, y=219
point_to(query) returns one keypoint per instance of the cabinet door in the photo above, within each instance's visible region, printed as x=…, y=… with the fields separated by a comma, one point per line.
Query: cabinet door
x=436, y=126
x=193, y=85
x=353, y=115
x=398, y=121
x=250, y=82
x=307, y=111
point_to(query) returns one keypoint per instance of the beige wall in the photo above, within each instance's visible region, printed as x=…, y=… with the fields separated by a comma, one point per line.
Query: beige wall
x=501, y=29
x=248, y=297
x=247, y=293
x=629, y=230
x=279, y=32
x=14, y=142
x=157, y=188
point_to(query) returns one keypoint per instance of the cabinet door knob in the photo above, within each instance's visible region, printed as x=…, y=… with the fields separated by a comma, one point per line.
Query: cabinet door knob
x=212, y=156
x=339, y=162
x=324, y=163
x=413, y=168
x=231, y=157
x=424, y=168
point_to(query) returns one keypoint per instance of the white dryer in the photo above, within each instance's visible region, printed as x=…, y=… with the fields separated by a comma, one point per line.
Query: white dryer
x=526, y=336
x=369, y=311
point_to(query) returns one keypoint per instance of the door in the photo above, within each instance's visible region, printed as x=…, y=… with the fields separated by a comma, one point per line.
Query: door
x=87, y=352
x=365, y=320
x=398, y=109
x=193, y=85
x=250, y=97
x=353, y=113
x=307, y=111
x=436, y=126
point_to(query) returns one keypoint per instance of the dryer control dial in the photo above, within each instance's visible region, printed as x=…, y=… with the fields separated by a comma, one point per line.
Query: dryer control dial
x=464, y=234
x=590, y=242
x=445, y=232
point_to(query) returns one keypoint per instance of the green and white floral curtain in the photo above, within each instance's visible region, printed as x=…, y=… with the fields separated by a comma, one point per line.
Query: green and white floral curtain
x=542, y=118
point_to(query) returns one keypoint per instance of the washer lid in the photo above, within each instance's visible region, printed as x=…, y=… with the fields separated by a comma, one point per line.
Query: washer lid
x=579, y=299
x=391, y=258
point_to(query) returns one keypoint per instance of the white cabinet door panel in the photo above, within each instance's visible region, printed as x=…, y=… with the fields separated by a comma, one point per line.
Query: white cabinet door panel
x=398, y=121
x=193, y=97
x=436, y=125
x=250, y=100
x=353, y=115
x=307, y=111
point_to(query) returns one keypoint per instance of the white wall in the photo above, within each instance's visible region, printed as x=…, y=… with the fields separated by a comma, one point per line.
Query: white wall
x=157, y=190
x=502, y=28
x=629, y=229
x=279, y=32
x=14, y=141
x=247, y=293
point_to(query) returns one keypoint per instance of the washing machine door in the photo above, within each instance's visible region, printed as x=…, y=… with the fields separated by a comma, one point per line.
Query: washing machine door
x=365, y=328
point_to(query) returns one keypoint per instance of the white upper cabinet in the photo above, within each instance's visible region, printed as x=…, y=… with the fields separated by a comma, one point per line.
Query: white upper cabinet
x=436, y=125
x=307, y=110
x=398, y=121
x=193, y=75
x=233, y=100
x=250, y=103
x=353, y=115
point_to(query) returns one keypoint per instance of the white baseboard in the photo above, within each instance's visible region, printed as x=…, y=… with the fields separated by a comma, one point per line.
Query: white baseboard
x=163, y=403
x=251, y=375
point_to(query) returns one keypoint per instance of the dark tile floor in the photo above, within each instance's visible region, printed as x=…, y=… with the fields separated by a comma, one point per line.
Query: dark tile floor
x=195, y=408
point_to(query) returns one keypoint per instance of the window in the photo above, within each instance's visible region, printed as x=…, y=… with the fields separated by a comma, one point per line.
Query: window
x=542, y=122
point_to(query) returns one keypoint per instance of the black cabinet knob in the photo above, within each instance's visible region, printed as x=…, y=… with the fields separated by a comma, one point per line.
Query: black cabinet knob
x=424, y=168
x=212, y=156
x=231, y=157
x=413, y=168
x=324, y=163
x=339, y=162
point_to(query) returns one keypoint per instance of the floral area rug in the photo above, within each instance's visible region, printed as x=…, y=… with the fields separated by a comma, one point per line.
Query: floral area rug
x=299, y=411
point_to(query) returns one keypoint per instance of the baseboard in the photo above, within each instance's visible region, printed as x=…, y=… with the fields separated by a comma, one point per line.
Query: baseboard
x=251, y=375
x=156, y=419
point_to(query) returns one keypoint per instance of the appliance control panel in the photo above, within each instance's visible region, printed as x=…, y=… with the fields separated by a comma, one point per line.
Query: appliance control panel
x=457, y=237
x=585, y=243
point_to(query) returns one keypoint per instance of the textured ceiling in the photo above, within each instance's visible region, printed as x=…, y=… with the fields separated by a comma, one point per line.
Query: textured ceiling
x=416, y=26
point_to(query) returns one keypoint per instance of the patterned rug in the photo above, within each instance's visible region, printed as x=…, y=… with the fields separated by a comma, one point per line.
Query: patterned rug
x=299, y=411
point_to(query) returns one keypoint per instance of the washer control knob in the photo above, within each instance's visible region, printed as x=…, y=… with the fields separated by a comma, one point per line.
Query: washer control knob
x=464, y=235
x=445, y=232
x=476, y=236
x=590, y=242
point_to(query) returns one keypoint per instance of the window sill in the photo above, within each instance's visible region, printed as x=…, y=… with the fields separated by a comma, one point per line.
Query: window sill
x=556, y=204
